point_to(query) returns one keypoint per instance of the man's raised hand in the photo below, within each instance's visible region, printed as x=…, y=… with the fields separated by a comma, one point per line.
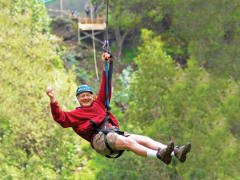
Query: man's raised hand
x=50, y=93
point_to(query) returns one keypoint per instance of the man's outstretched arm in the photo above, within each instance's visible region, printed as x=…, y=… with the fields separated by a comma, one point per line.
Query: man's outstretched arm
x=58, y=115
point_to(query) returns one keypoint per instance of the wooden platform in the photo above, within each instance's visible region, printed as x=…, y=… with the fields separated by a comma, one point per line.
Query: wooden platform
x=86, y=24
x=88, y=27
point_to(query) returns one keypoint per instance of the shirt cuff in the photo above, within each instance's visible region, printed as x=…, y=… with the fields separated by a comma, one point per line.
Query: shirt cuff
x=54, y=104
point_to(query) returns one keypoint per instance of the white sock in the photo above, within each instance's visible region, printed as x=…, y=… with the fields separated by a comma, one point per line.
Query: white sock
x=151, y=153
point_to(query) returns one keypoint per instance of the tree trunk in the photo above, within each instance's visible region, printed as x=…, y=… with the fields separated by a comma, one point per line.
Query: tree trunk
x=120, y=39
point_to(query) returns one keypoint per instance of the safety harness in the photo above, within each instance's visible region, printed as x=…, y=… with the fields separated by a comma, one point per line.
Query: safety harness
x=105, y=129
x=104, y=126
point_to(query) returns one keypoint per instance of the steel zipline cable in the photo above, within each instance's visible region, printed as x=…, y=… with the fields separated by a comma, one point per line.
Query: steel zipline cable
x=106, y=47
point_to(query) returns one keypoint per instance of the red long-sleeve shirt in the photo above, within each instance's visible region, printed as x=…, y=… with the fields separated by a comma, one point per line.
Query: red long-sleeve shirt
x=79, y=119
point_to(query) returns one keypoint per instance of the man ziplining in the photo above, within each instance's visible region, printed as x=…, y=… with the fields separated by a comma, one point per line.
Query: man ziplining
x=95, y=123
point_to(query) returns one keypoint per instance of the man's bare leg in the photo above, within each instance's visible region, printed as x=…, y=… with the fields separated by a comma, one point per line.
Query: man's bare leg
x=129, y=143
x=147, y=142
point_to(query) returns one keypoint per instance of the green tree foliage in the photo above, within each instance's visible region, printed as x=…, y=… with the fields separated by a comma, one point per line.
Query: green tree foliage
x=205, y=30
x=165, y=101
x=37, y=18
x=187, y=105
x=32, y=145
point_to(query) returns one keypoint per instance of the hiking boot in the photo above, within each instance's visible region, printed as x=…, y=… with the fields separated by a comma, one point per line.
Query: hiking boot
x=165, y=153
x=181, y=152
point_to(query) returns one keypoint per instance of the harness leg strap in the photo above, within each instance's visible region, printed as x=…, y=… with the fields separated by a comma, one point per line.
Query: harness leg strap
x=106, y=142
x=108, y=146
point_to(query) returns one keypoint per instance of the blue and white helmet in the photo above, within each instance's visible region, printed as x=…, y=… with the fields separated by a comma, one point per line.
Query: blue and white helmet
x=83, y=88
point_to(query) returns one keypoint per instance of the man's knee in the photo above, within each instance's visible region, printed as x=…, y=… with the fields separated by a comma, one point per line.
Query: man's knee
x=129, y=142
x=125, y=142
x=146, y=138
x=140, y=138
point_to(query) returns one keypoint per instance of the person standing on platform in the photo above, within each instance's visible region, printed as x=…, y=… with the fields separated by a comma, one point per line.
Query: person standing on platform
x=87, y=9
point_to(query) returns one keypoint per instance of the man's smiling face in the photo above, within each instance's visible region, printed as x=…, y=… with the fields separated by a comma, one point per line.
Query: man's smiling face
x=85, y=99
